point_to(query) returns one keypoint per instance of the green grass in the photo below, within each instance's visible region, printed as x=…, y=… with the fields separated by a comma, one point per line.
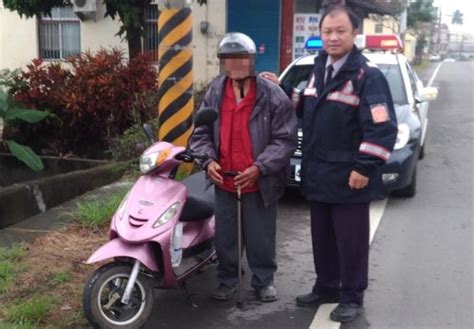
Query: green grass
x=31, y=312
x=10, y=265
x=94, y=214
x=61, y=277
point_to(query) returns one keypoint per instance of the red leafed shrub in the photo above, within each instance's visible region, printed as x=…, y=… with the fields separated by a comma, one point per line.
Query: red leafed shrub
x=95, y=97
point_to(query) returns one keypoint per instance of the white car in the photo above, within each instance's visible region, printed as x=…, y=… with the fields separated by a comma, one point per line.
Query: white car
x=411, y=105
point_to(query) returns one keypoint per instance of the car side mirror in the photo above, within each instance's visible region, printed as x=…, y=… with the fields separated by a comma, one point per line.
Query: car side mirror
x=427, y=94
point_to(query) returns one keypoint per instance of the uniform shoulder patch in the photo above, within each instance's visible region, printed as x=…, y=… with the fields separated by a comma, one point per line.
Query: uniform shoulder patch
x=379, y=113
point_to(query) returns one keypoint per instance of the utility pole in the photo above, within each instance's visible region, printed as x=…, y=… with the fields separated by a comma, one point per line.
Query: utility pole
x=175, y=77
x=175, y=95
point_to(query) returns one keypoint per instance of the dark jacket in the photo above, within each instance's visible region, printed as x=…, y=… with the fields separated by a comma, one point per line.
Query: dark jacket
x=342, y=131
x=272, y=128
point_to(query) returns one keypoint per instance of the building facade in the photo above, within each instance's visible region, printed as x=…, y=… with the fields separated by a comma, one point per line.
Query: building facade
x=63, y=34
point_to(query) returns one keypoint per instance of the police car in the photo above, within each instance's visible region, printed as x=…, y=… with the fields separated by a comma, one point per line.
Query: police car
x=410, y=98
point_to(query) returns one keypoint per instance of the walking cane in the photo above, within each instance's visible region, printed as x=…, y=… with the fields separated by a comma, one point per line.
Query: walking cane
x=239, y=238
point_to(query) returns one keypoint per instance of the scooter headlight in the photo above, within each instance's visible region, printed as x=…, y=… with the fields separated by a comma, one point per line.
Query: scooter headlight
x=167, y=215
x=150, y=161
x=403, y=136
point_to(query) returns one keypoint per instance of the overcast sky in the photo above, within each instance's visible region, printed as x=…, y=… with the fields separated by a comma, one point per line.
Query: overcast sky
x=465, y=6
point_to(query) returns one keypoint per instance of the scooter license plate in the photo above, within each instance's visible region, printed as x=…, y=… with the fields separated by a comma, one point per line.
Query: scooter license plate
x=297, y=173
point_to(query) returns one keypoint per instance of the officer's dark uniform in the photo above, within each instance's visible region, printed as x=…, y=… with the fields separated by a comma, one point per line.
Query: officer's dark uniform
x=348, y=124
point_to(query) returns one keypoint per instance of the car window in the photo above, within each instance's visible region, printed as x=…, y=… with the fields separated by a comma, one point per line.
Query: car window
x=298, y=76
x=395, y=81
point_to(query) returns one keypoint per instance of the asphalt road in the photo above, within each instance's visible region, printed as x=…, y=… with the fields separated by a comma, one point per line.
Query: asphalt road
x=422, y=255
x=421, y=266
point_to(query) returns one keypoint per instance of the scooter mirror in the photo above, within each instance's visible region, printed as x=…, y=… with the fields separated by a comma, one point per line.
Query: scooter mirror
x=206, y=116
x=149, y=132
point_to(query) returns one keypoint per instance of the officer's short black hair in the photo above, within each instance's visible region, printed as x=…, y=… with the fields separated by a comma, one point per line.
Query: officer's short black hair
x=340, y=9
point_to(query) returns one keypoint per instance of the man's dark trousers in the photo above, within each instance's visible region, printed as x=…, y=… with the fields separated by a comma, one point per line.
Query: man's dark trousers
x=340, y=234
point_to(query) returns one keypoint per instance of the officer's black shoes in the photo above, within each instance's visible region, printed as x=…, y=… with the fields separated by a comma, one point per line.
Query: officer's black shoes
x=346, y=312
x=314, y=299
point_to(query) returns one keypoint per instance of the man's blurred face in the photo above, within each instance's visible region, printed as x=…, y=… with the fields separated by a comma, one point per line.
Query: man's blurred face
x=237, y=67
x=338, y=34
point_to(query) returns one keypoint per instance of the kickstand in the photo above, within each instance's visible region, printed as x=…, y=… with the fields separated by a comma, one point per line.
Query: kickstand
x=189, y=296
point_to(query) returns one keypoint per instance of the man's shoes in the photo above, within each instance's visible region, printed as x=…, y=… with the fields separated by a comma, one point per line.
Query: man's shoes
x=315, y=299
x=267, y=294
x=346, y=312
x=223, y=292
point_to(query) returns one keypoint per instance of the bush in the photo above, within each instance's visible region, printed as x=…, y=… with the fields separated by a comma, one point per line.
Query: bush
x=131, y=144
x=95, y=97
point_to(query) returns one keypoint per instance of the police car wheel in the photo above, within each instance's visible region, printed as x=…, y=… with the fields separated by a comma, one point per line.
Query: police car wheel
x=422, y=153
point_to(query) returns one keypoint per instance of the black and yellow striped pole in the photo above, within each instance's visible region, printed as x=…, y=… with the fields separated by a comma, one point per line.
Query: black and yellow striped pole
x=175, y=98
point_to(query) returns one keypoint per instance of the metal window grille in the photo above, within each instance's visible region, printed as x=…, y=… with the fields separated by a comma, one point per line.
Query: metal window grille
x=59, y=34
x=151, y=31
x=379, y=28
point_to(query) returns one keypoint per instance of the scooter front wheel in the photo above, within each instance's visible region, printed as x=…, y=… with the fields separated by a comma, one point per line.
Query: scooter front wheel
x=103, y=294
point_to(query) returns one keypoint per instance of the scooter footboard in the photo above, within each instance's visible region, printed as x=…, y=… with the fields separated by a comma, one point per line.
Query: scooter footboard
x=119, y=248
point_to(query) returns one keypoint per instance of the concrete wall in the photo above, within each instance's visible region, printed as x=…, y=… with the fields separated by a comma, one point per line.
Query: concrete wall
x=205, y=62
x=410, y=46
x=19, y=38
x=390, y=25
x=101, y=33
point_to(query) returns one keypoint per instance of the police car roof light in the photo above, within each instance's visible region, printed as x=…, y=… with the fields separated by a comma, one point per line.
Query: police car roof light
x=314, y=43
x=383, y=42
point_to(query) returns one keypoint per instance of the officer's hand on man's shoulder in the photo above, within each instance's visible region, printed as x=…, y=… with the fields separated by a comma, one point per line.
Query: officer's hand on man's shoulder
x=357, y=181
x=270, y=76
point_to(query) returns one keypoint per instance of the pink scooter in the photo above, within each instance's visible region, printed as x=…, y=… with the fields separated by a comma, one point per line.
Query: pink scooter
x=161, y=233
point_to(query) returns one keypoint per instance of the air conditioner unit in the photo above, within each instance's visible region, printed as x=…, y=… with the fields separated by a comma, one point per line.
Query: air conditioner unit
x=85, y=6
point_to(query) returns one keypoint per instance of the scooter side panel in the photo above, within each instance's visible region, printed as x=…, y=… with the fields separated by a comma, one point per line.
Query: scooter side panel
x=119, y=248
x=198, y=232
x=149, y=198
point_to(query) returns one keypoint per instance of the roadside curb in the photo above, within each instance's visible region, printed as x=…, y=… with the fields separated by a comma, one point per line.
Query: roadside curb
x=23, y=200
x=54, y=218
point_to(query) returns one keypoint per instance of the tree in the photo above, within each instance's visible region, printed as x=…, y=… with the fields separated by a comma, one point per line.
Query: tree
x=130, y=12
x=420, y=11
x=419, y=15
x=457, y=17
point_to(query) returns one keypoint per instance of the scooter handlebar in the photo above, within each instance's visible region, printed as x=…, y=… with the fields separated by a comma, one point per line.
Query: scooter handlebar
x=189, y=156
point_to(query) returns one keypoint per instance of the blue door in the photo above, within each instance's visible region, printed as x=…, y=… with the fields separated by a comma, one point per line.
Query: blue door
x=260, y=20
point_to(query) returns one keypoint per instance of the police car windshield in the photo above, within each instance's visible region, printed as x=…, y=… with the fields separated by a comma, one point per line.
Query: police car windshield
x=297, y=76
x=395, y=81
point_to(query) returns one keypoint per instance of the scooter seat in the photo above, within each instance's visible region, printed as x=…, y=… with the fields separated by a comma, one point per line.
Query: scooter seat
x=200, y=202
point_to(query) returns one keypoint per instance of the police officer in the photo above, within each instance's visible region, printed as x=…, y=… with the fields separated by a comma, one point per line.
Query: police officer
x=349, y=130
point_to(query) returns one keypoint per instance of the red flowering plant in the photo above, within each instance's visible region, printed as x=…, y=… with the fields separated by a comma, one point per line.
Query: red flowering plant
x=95, y=97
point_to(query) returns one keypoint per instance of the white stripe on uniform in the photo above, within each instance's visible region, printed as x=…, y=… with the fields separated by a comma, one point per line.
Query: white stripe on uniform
x=375, y=150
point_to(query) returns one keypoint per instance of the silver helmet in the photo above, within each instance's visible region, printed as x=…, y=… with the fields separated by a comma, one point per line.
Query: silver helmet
x=235, y=43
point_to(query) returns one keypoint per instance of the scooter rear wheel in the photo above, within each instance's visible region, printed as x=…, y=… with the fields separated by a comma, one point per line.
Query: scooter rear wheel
x=103, y=293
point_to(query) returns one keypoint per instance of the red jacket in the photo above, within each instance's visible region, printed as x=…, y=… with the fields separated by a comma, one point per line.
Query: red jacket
x=235, y=151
